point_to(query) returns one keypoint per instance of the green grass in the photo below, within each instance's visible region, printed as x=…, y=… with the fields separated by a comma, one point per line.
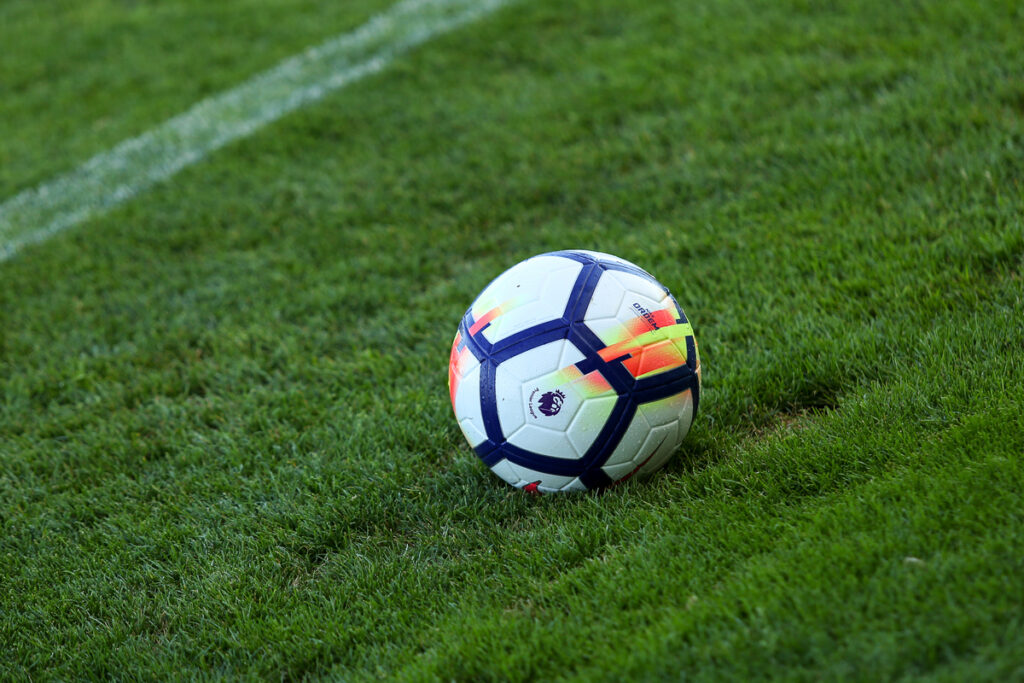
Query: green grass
x=225, y=439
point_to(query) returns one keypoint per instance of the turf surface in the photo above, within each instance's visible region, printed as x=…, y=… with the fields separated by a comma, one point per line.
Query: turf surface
x=225, y=438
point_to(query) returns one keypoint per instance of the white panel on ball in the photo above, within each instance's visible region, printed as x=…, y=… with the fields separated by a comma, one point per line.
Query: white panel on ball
x=550, y=442
x=533, y=292
x=472, y=431
x=589, y=421
x=568, y=433
x=503, y=468
x=658, y=442
x=467, y=406
x=601, y=256
x=629, y=291
x=629, y=445
x=562, y=426
x=674, y=412
x=519, y=376
x=520, y=476
x=608, y=299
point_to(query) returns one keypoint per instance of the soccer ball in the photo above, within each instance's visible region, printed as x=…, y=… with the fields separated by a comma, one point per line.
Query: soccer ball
x=574, y=370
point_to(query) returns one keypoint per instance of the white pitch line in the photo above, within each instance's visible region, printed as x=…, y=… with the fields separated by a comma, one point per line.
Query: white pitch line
x=136, y=164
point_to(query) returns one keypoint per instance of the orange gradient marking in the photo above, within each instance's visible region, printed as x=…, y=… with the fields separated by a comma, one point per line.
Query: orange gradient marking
x=594, y=384
x=589, y=385
x=456, y=363
x=486, y=319
x=640, y=325
x=650, y=350
x=654, y=357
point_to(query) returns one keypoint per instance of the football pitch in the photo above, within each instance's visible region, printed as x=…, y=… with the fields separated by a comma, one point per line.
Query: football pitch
x=232, y=264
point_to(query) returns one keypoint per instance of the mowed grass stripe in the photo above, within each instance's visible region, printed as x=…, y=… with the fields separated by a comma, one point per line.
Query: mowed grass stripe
x=136, y=164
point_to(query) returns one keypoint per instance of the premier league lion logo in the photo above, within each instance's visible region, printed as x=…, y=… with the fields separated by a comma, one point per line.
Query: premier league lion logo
x=551, y=402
